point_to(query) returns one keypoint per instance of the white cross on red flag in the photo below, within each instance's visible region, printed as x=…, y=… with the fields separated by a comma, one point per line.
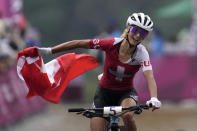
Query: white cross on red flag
x=50, y=80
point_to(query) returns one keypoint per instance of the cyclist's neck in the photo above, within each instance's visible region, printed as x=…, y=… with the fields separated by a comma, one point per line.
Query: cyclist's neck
x=125, y=51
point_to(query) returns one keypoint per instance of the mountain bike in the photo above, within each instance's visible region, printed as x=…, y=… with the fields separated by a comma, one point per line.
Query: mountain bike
x=111, y=113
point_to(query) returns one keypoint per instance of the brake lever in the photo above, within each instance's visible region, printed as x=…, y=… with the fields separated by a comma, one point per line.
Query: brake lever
x=146, y=107
x=88, y=114
x=139, y=111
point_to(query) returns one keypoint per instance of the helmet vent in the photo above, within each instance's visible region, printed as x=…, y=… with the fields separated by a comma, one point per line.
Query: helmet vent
x=139, y=18
x=145, y=20
x=149, y=23
x=133, y=18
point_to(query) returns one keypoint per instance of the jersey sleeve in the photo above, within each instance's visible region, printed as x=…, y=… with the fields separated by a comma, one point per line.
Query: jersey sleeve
x=102, y=44
x=145, y=60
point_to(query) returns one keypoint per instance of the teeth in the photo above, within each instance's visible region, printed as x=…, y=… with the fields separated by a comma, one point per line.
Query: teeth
x=135, y=40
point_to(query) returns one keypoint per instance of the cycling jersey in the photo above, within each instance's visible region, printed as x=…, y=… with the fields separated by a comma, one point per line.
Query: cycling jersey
x=118, y=75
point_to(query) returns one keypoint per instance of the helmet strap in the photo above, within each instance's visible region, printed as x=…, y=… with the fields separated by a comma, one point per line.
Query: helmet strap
x=130, y=45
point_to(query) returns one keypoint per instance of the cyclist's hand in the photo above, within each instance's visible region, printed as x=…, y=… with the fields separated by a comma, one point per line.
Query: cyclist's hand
x=44, y=51
x=154, y=102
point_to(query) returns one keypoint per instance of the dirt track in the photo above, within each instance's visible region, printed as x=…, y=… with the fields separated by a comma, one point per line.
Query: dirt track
x=56, y=118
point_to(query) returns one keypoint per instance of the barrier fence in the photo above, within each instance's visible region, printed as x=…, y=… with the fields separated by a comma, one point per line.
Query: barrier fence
x=13, y=104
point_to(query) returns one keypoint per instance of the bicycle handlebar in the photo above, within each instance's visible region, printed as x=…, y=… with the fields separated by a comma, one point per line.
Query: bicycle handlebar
x=76, y=109
x=109, y=111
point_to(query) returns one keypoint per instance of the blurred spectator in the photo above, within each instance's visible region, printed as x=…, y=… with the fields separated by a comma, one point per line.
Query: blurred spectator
x=193, y=29
x=29, y=34
x=156, y=43
x=32, y=37
x=171, y=45
x=13, y=38
x=180, y=44
x=16, y=41
x=5, y=56
x=2, y=28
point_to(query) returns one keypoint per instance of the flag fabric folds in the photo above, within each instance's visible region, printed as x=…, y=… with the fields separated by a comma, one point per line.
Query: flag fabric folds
x=51, y=79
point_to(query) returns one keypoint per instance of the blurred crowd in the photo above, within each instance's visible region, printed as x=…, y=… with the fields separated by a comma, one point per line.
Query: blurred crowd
x=13, y=38
x=184, y=42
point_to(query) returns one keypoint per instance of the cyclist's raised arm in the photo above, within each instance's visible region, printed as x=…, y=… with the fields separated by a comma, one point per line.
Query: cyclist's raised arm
x=64, y=47
x=102, y=44
x=70, y=45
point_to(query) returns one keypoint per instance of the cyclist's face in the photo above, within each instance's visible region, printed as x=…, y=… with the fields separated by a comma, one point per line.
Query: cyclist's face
x=137, y=35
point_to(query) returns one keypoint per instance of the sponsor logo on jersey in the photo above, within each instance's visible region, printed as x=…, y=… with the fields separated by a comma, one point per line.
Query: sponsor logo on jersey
x=146, y=63
x=96, y=43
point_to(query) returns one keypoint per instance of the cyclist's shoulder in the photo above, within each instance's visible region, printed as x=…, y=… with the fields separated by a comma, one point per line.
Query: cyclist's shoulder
x=141, y=49
x=111, y=43
x=141, y=53
x=113, y=40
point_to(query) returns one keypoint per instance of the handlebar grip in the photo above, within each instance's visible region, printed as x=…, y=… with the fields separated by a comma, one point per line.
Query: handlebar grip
x=76, y=109
x=145, y=107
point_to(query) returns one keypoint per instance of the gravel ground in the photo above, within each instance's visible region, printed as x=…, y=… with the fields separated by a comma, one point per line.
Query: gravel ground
x=56, y=118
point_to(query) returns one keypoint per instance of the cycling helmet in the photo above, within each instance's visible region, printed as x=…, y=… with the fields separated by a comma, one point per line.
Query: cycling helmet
x=141, y=20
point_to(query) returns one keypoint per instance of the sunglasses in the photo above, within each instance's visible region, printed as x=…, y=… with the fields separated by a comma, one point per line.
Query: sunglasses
x=135, y=30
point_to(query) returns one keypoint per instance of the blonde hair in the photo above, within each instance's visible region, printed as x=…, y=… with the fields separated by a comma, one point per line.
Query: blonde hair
x=125, y=32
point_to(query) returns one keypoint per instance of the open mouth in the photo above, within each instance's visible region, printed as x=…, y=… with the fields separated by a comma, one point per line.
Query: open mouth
x=135, y=40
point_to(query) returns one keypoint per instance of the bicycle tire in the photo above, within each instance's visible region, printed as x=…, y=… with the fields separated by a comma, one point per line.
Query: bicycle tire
x=106, y=128
x=121, y=128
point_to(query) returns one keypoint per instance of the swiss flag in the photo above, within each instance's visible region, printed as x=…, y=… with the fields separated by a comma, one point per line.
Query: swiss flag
x=51, y=79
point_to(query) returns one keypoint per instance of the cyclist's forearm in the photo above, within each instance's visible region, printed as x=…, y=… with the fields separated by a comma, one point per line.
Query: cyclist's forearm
x=151, y=83
x=70, y=45
x=152, y=88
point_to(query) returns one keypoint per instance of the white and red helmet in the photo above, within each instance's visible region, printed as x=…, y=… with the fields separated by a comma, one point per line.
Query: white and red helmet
x=141, y=20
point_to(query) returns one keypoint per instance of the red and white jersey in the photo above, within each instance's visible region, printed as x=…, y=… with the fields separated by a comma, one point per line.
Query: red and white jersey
x=118, y=75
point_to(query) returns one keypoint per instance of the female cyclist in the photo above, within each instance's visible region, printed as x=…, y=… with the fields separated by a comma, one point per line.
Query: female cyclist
x=124, y=57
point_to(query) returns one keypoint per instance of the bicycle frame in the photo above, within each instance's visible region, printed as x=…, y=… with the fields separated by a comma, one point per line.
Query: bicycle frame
x=114, y=124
